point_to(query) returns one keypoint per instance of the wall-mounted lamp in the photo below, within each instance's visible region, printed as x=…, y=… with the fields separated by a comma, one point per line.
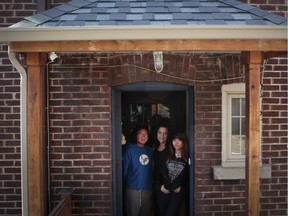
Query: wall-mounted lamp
x=158, y=61
x=53, y=56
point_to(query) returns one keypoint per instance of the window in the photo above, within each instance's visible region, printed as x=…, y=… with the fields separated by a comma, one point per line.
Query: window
x=233, y=125
x=234, y=136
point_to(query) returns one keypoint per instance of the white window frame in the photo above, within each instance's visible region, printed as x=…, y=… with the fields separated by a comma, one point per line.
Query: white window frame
x=230, y=91
x=233, y=167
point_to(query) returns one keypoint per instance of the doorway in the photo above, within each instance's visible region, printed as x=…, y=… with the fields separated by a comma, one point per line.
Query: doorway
x=147, y=105
x=150, y=109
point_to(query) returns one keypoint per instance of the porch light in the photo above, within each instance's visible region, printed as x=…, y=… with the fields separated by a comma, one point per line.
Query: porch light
x=158, y=61
x=53, y=56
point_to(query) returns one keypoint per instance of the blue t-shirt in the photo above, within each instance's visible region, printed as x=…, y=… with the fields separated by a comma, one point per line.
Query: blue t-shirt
x=137, y=167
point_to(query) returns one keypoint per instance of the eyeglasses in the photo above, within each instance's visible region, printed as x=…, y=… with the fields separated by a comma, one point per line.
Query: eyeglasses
x=143, y=135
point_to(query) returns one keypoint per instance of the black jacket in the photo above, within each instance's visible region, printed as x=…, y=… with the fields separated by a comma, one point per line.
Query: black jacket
x=175, y=174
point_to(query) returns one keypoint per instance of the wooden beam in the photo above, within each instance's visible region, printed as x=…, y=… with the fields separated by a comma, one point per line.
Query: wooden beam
x=35, y=128
x=253, y=133
x=149, y=45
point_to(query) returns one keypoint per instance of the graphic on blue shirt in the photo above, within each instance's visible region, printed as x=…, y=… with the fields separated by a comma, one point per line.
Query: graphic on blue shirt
x=144, y=159
x=137, y=167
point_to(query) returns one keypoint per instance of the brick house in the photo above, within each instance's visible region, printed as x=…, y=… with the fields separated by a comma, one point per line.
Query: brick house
x=84, y=100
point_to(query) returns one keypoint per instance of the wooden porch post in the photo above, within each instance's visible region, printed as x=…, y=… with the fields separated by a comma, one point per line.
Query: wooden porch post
x=252, y=62
x=35, y=131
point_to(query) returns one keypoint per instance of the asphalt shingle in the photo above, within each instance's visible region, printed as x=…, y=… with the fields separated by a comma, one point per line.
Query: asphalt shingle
x=107, y=22
x=74, y=23
x=66, y=7
x=54, y=12
x=69, y=17
x=122, y=4
x=190, y=10
x=179, y=22
x=134, y=17
x=191, y=3
x=103, y=17
x=149, y=12
x=141, y=22
x=83, y=11
x=156, y=10
x=255, y=22
x=148, y=16
x=79, y=3
x=227, y=10
x=275, y=18
x=138, y=10
x=208, y=9
x=124, y=10
x=243, y=16
x=201, y=16
x=86, y=17
x=174, y=9
x=99, y=10
x=118, y=16
x=38, y=18
x=244, y=7
x=163, y=16
x=106, y=4
x=259, y=12
x=183, y=16
x=222, y=16
x=215, y=22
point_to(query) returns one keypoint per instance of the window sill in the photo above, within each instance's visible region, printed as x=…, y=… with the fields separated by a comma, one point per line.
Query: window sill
x=237, y=173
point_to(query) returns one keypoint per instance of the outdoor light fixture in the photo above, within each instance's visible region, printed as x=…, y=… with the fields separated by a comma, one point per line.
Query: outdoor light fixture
x=53, y=56
x=158, y=61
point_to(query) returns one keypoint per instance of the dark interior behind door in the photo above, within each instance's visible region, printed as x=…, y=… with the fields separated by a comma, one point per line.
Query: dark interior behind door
x=149, y=109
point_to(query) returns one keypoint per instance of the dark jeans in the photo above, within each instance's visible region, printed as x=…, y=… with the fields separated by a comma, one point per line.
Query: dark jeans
x=169, y=204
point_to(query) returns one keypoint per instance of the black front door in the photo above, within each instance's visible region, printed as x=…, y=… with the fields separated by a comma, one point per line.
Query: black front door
x=146, y=105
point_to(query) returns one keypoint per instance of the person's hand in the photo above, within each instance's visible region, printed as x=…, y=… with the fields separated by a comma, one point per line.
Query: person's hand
x=164, y=190
x=177, y=190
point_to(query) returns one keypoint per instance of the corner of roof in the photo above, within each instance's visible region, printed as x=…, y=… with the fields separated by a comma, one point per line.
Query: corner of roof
x=42, y=17
x=272, y=17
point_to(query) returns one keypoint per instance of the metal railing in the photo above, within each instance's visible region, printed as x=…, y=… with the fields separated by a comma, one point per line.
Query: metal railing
x=64, y=207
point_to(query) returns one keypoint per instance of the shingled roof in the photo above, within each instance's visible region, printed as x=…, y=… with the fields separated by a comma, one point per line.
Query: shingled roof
x=152, y=13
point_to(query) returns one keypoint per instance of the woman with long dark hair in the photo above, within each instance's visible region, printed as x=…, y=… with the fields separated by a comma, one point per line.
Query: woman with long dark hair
x=175, y=177
x=161, y=154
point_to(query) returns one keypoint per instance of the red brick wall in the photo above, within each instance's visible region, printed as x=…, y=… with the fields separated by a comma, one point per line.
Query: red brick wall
x=275, y=6
x=211, y=197
x=10, y=188
x=81, y=150
x=10, y=164
x=274, y=137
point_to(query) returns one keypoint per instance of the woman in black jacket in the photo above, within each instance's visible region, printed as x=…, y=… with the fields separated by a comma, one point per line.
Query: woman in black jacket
x=161, y=154
x=175, y=177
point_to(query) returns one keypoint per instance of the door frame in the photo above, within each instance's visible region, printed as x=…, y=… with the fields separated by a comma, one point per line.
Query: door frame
x=117, y=135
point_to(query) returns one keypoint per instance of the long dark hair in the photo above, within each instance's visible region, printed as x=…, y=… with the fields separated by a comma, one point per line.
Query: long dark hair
x=185, y=151
x=156, y=141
